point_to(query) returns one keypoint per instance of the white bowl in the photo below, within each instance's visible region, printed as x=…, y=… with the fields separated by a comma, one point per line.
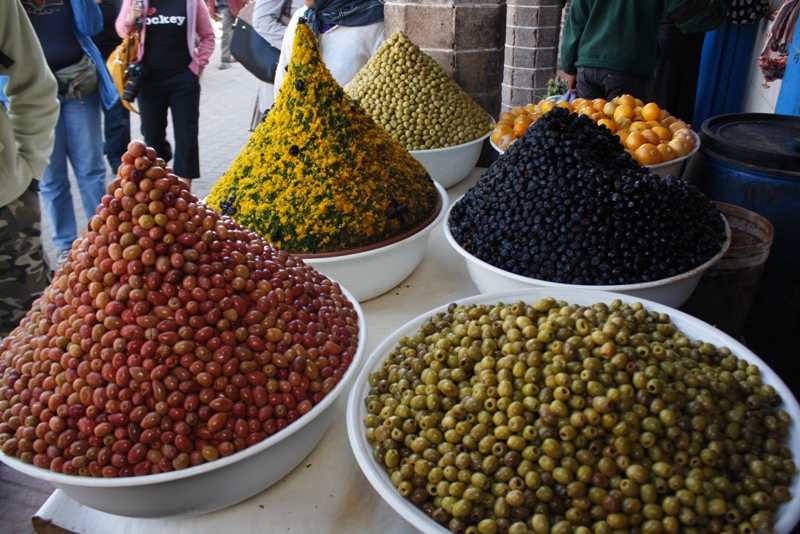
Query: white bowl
x=785, y=519
x=214, y=485
x=674, y=167
x=677, y=165
x=672, y=291
x=374, y=272
x=450, y=165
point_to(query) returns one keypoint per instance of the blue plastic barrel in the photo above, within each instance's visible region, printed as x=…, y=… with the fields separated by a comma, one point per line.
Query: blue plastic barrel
x=752, y=160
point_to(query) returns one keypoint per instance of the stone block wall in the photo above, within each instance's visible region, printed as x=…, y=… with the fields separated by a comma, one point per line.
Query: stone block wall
x=533, y=29
x=465, y=37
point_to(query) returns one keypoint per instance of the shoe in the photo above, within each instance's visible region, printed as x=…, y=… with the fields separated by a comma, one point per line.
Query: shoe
x=62, y=256
x=224, y=65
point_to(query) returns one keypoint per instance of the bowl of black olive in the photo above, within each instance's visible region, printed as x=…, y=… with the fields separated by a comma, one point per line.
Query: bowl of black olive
x=566, y=207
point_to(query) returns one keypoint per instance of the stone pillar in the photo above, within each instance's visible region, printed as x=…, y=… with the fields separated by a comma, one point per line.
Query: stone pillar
x=465, y=37
x=532, y=40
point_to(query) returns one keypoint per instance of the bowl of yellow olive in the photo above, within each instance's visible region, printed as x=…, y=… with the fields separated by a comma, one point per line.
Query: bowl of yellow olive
x=574, y=411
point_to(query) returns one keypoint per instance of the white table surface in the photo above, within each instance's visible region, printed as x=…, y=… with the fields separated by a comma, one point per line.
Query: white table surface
x=327, y=492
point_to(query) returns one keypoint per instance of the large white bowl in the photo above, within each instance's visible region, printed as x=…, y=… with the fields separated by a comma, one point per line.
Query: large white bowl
x=674, y=167
x=672, y=291
x=450, y=165
x=374, y=272
x=785, y=519
x=209, y=486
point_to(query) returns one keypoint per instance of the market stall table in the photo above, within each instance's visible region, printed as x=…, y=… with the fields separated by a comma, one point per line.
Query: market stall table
x=327, y=492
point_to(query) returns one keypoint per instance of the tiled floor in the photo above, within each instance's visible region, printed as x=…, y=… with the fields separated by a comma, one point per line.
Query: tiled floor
x=20, y=497
x=226, y=104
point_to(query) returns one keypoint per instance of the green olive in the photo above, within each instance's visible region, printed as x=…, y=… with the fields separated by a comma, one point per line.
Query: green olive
x=556, y=417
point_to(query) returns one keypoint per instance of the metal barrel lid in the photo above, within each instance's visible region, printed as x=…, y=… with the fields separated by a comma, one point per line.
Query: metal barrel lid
x=768, y=142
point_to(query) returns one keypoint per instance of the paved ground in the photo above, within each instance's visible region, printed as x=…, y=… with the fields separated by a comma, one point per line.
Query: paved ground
x=226, y=105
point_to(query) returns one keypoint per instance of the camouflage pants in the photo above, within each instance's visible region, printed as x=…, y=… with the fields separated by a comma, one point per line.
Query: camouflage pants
x=24, y=273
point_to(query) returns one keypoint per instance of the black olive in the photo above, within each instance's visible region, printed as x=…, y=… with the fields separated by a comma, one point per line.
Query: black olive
x=567, y=203
x=294, y=150
x=299, y=85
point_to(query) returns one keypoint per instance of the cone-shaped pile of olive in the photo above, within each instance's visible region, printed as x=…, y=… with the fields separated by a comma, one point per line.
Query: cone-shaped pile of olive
x=409, y=94
x=318, y=175
x=567, y=204
x=172, y=336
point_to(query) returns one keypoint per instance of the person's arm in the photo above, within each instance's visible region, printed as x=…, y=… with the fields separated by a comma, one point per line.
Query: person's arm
x=205, y=31
x=88, y=17
x=573, y=29
x=266, y=21
x=235, y=6
x=124, y=24
x=693, y=16
x=31, y=90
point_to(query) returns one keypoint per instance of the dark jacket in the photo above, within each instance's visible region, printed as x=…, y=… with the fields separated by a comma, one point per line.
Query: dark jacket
x=623, y=34
x=108, y=40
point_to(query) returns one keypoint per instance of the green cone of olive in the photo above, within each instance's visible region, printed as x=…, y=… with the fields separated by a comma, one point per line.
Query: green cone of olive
x=409, y=94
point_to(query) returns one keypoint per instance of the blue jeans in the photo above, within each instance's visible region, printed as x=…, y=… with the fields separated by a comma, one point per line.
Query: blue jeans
x=607, y=83
x=227, y=19
x=79, y=138
x=117, y=133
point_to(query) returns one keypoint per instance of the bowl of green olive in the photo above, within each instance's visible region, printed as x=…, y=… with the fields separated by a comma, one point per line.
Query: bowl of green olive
x=569, y=410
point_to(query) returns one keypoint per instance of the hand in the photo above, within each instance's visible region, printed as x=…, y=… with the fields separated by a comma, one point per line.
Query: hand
x=135, y=13
x=571, y=82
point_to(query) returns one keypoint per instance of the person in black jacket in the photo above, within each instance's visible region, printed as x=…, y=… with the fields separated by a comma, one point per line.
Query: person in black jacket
x=678, y=69
x=117, y=120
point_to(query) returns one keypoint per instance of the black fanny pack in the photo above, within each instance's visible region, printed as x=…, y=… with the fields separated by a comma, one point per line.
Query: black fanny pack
x=77, y=80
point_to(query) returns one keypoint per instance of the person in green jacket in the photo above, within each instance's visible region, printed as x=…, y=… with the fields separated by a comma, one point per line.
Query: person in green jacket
x=610, y=47
x=28, y=116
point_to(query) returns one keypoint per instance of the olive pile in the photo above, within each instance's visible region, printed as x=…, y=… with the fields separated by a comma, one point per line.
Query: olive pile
x=171, y=337
x=409, y=94
x=577, y=419
x=566, y=204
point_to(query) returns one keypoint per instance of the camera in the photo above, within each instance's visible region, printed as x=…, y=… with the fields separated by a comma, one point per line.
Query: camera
x=135, y=72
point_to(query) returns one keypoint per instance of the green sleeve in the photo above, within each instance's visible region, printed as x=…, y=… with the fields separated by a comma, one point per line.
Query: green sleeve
x=693, y=16
x=27, y=128
x=573, y=29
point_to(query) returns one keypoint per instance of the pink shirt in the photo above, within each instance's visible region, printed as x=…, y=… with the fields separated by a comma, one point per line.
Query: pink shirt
x=198, y=23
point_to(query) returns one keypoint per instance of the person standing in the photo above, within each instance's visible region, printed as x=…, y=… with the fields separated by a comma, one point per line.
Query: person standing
x=348, y=34
x=610, y=47
x=64, y=28
x=270, y=18
x=678, y=69
x=176, y=42
x=225, y=17
x=117, y=119
x=28, y=117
